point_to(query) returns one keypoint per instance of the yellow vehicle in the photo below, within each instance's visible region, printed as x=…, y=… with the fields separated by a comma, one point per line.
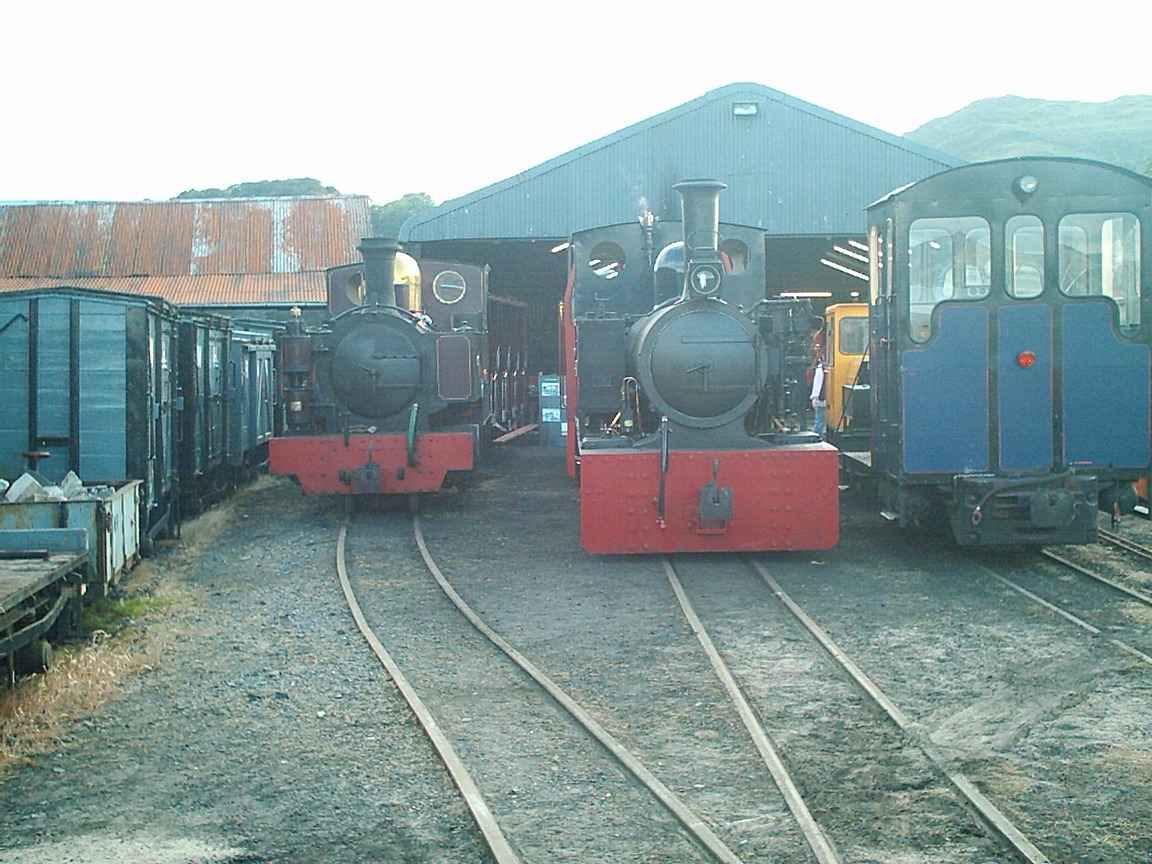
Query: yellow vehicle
x=845, y=390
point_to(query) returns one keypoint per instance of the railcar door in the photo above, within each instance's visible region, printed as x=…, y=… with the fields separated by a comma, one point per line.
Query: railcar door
x=945, y=362
x=1104, y=358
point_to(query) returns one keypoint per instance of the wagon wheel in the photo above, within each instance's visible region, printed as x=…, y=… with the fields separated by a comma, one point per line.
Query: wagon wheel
x=34, y=657
x=67, y=624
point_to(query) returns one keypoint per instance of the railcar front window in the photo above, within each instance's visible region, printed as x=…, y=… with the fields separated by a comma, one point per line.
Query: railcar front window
x=1024, y=256
x=1100, y=256
x=948, y=259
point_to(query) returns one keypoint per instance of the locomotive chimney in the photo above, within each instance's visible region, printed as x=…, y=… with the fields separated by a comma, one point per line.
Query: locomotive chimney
x=703, y=266
x=379, y=254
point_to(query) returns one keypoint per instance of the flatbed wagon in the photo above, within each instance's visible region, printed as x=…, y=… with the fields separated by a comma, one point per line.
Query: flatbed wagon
x=42, y=581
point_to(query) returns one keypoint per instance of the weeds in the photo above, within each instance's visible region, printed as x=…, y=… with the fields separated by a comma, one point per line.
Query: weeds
x=112, y=615
x=38, y=714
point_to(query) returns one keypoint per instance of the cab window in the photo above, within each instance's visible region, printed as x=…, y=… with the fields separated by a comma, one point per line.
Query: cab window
x=1100, y=256
x=948, y=259
x=1024, y=256
x=853, y=335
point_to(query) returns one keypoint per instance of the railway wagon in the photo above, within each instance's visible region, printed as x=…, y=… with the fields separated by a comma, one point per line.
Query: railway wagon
x=253, y=396
x=227, y=404
x=42, y=581
x=509, y=367
x=89, y=386
x=1010, y=336
x=132, y=394
x=683, y=379
x=205, y=342
x=389, y=396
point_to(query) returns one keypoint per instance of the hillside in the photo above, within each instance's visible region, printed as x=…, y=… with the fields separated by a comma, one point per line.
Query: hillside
x=1119, y=131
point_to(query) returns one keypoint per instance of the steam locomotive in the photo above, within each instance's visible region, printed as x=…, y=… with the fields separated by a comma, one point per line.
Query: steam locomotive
x=389, y=395
x=686, y=391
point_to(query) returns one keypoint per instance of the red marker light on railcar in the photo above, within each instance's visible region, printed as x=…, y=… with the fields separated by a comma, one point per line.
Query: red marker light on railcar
x=1026, y=359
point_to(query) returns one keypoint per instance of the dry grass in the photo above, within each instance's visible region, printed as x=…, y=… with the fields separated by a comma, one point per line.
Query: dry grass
x=39, y=713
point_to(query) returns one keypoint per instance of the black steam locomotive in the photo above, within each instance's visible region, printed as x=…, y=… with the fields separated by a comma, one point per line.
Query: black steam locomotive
x=389, y=395
x=684, y=381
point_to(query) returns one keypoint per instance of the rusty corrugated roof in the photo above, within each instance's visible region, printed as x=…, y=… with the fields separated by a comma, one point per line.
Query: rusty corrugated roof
x=248, y=289
x=220, y=237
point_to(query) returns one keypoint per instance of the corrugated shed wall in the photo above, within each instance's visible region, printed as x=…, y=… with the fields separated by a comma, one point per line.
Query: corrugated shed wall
x=791, y=168
x=181, y=238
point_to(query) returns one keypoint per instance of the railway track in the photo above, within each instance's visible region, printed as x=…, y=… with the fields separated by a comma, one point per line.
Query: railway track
x=853, y=734
x=566, y=741
x=1045, y=725
x=1136, y=548
x=697, y=827
x=1004, y=828
x=1111, y=612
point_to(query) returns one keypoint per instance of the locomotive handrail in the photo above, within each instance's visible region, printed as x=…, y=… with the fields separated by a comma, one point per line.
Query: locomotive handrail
x=412, y=415
x=416, y=319
x=663, y=467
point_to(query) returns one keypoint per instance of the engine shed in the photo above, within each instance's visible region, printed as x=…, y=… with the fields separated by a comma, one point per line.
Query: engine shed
x=803, y=174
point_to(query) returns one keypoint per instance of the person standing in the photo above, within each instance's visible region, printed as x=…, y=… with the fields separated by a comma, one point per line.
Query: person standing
x=817, y=397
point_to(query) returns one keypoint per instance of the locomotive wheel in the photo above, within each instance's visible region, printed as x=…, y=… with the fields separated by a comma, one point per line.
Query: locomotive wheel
x=34, y=657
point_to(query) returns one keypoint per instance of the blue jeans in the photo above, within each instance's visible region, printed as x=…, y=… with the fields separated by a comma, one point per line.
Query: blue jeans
x=820, y=426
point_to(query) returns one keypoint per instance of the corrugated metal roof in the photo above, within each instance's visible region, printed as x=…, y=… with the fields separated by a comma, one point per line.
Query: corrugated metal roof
x=248, y=289
x=74, y=240
x=791, y=167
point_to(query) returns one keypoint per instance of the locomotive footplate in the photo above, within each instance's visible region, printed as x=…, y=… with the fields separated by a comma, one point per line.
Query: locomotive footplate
x=371, y=464
x=713, y=500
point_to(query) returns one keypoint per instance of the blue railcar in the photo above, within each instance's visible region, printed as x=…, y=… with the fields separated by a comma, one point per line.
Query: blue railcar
x=1009, y=348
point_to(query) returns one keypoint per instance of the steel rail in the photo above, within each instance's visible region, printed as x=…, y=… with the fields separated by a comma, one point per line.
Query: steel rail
x=683, y=814
x=988, y=811
x=497, y=843
x=814, y=835
x=1125, y=544
x=1066, y=615
x=1104, y=580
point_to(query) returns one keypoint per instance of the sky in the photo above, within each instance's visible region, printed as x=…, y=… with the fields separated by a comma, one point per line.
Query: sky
x=124, y=100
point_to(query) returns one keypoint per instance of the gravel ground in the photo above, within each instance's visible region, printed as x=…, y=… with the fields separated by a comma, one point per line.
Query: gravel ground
x=266, y=731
